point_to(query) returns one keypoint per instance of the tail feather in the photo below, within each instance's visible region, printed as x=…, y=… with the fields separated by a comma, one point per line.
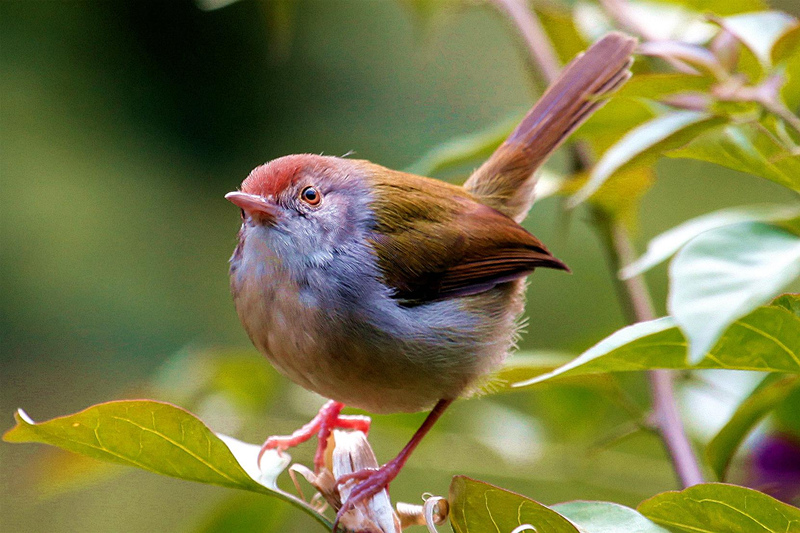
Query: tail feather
x=505, y=181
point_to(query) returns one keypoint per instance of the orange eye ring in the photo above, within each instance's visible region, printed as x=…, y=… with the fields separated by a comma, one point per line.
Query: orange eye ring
x=311, y=196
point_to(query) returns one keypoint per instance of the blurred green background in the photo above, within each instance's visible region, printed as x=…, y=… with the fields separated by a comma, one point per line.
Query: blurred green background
x=122, y=126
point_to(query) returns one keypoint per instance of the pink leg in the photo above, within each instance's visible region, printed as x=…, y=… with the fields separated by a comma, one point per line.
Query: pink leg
x=328, y=418
x=372, y=481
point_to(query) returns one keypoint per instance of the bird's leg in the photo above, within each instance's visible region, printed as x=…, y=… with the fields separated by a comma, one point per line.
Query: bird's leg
x=328, y=418
x=372, y=481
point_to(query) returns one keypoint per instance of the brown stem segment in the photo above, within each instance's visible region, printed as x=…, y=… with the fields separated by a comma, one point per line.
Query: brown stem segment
x=527, y=24
x=638, y=307
x=633, y=294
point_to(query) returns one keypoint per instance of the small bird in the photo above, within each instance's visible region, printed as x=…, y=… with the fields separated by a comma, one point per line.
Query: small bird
x=392, y=292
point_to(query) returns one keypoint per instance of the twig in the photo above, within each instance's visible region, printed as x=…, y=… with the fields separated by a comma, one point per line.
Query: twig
x=633, y=293
x=527, y=23
x=638, y=307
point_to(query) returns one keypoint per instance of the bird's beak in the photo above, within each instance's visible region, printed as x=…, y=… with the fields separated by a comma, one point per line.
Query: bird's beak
x=256, y=206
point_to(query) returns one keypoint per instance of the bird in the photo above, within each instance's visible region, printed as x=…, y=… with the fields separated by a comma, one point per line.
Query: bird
x=393, y=292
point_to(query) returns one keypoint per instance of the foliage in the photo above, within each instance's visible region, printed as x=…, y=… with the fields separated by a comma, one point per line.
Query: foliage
x=766, y=340
x=726, y=95
x=719, y=507
x=164, y=439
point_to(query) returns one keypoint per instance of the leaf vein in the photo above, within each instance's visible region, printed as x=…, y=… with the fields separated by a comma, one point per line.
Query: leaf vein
x=489, y=511
x=181, y=447
x=732, y=508
x=772, y=338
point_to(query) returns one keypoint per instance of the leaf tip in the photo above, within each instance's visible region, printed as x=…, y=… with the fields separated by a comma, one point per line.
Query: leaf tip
x=22, y=416
x=22, y=419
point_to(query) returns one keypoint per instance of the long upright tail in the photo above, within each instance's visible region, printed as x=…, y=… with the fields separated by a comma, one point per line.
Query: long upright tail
x=506, y=181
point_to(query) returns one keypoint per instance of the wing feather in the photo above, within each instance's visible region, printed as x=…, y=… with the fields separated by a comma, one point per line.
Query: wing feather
x=434, y=240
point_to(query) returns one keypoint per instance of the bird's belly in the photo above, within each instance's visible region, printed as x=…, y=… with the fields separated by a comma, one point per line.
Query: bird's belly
x=391, y=360
x=347, y=362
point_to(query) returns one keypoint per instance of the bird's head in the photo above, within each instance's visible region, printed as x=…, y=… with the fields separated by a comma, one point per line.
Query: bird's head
x=304, y=204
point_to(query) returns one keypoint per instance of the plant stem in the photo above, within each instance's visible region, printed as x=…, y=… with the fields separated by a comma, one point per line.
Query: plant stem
x=541, y=53
x=637, y=307
x=633, y=293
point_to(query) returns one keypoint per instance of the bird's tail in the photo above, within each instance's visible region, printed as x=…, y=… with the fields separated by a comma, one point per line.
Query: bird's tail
x=505, y=181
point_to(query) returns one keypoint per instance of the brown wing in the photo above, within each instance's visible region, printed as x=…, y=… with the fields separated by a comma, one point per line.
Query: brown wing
x=434, y=241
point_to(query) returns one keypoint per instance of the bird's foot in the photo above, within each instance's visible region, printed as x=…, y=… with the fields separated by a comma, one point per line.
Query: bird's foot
x=327, y=419
x=371, y=482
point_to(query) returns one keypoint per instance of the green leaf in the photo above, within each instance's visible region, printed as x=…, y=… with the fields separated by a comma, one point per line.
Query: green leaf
x=723, y=274
x=790, y=302
x=747, y=148
x=659, y=134
x=787, y=414
x=693, y=55
x=621, y=194
x=605, y=517
x=768, y=340
x=669, y=242
x=560, y=28
x=760, y=31
x=722, y=7
x=786, y=46
x=527, y=366
x=717, y=507
x=656, y=86
x=524, y=366
x=478, y=506
x=790, y=92
x=161, y=438
x=612, y=121
x=772, y=392
x=466, y=148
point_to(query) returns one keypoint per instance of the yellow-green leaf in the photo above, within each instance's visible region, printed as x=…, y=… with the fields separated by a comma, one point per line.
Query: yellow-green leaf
x=768, y=340
x=662, y=133
x=478, y=506
x=717, y=508
x=161, y=438
x=656, y=86
x=747, y=148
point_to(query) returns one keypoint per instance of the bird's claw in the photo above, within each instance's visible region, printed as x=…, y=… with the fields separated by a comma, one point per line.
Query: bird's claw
x=328, y=419
x=371, y=482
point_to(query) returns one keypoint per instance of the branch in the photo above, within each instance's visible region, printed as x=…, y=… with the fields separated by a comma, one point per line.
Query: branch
x=542, y=55
x=633, y=293
x=638, y=307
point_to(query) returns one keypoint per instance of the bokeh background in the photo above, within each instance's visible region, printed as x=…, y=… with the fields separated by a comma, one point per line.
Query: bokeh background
x=123, y=124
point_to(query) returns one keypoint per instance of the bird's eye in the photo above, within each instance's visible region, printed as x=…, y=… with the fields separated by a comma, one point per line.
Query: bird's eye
x=310, y=196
